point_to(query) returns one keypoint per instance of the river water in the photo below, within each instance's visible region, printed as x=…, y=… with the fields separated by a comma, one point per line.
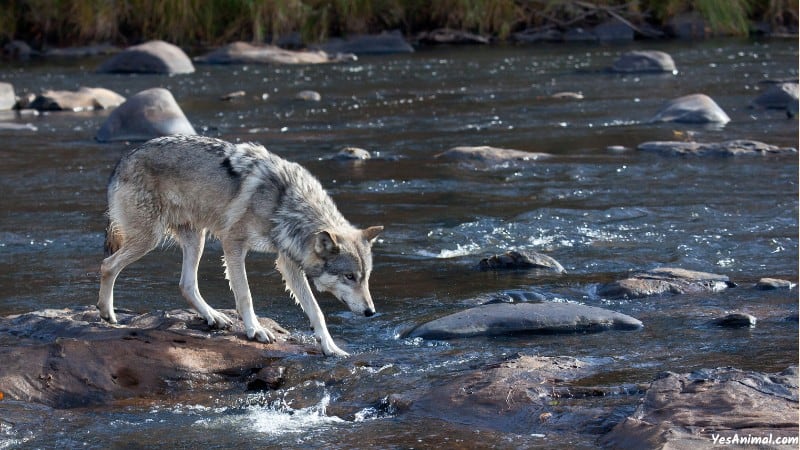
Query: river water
x=600, y=213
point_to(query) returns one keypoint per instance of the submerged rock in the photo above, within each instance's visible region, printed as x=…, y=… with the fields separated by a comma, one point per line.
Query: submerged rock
x=150, y=57
x=644, y=61
x=496, y=319
x=778, y=96
x=244, y=53
x=665, y=280
x=688, y=410
x=146, y=115
x=85, y=98
x=352, y=153
x=774, y=283
x=70, y=357
x=695, y=108
x=489, y=154
x=514, y=259
x=739, y=147
x=735, y=320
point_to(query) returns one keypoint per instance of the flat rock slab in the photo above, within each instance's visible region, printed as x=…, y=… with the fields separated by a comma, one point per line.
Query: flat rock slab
x=244, y=53
x=489, y=154
x=71, y=357
x=739, y=147
x=85, y=98
x=644, y=61
x=665, y=280
x=496, y=319
x=688, y=410
x=695, y=108
x=520, y=260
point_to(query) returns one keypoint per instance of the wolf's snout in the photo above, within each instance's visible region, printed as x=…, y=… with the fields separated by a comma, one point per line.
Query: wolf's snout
x=369, y=312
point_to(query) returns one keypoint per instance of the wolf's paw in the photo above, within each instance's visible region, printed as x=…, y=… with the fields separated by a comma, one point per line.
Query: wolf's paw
x=331, y=349
x=218, y=320
x=108, y=316
x=260, y=334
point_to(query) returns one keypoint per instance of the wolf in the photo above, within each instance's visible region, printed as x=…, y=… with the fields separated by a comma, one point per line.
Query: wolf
x=183, y=187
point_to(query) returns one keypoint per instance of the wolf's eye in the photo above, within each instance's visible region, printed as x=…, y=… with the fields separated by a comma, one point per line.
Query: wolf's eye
x=350, y=276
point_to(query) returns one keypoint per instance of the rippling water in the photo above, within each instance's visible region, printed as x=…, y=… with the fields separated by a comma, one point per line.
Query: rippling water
x=600, y=213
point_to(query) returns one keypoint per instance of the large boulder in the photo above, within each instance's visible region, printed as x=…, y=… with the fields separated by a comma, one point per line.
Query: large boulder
x=665, y=280
x=85, y=98
x=778, y=96
x=71, y=357
x=643, y=61
x=150, y=113
x=496, y=319
x=244, y=53
x=372, y=44
x=695, y=108
x=516, y=260
x=739, y=147
x=712, y=406
x=150, y=57
x=7, y=97
x=489, y=154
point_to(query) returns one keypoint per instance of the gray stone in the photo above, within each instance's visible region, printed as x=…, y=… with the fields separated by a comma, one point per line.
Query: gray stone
x=353, y=153
x=244, y=53
x=643, y=61
x=774, y=283
x=308, y=96
x=372, y=44
x=496, y=319
x=665, y=280
x=146, y=115
x=738, y=147
x=514, y=259
x=778, y=96
x=489, y=154
x=613, y=30
x=735, y=320
x=695, y=108
x=685, y=411
x=70, y=357
x=151, y=57
x=7, y=96
x=83, y=99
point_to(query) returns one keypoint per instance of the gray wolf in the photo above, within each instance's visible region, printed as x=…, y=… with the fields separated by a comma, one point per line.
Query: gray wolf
x=183, y=187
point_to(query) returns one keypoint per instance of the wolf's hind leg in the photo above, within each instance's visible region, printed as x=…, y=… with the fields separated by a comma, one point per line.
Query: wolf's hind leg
x=235, y=272
x=192, y=243
x=297, y=284
x=131, y=250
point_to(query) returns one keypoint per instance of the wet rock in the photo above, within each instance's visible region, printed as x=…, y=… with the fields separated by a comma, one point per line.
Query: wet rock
x=695, y=108
x=450, y=36
x=352, y=153
x=778, y=96
x=774, y=283
x=514, y=260
x=146, y=115
x=643, y=61
x=688, y=410
x=7, y=97
x=308, y=96
x=613, y=30
x=268, y=378
x=85, y=98
x=533, y=35
x=19, y=50
x=244, y=53
x=738, y=147
x=735, y=320
x=369, y=44
x=71, y=357
x=567, y=96
x=665, y=280
x=151, y=57
x=496, y=319
x=489, y=154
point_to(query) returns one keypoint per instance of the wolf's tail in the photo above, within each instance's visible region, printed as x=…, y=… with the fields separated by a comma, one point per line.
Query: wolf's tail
x=113, y=239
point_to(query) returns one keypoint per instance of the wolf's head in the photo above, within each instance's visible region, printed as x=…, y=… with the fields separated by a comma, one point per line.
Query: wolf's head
x=345, y=263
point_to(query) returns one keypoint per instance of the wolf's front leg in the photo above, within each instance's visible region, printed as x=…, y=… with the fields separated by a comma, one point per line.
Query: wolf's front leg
x=234, y=271
x=297, y=285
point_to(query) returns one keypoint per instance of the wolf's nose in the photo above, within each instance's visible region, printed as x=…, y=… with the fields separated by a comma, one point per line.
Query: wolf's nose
x=369, y=312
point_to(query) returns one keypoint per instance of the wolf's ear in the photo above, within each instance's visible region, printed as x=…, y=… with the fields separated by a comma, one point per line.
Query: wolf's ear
x=372, y=233
x=325, y=244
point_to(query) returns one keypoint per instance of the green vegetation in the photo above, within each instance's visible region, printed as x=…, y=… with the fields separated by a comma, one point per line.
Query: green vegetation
x=212, y=22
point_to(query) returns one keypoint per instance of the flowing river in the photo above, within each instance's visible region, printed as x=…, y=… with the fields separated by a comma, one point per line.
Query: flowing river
x=600, y=213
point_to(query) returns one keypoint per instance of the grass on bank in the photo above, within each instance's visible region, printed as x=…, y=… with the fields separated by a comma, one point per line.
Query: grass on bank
x=214, y=22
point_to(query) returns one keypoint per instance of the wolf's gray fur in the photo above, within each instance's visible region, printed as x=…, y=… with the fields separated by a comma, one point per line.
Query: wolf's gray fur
x=185, y=186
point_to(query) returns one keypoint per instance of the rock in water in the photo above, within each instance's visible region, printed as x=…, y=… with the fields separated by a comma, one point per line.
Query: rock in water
x=665, y=280
x=146, y=115
x=85, y=98
x=644, y=61
x=514, y=259
x=695, y=108
x=150, y=57
x=489, y=154
x=495, y=319
x=738, y=147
